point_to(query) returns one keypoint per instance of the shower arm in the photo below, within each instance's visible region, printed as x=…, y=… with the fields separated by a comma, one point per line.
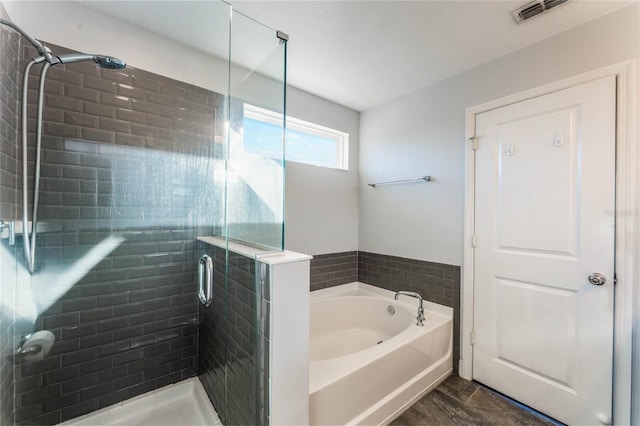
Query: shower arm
x=42, y=50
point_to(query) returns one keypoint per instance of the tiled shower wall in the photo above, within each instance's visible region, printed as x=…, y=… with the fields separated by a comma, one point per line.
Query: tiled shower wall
x=435, y=282
x=125, y=188
x=228, y=333
x=9, y=61
x=9, y=94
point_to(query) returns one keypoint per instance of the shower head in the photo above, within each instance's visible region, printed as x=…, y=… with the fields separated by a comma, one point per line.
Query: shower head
x=100, y=60
x=109, y=62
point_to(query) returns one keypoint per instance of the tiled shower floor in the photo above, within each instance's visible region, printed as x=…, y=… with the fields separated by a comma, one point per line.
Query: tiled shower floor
x=459, y=402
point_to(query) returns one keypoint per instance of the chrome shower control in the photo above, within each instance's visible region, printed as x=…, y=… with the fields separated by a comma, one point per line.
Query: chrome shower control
x=597, y=279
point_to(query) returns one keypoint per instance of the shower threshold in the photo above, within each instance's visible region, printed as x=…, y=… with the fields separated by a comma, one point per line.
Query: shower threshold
x=183, y=403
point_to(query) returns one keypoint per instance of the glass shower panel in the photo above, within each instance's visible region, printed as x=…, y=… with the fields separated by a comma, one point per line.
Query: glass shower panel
x=137, y=163
x=132, y=164
x=9, y=59
x=254, y=205
x=255, y=173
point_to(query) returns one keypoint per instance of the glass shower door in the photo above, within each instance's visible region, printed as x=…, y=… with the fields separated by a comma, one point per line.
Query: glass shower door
x=137, y=164
x=254, y=207
x=249, y=190
x=9, y=90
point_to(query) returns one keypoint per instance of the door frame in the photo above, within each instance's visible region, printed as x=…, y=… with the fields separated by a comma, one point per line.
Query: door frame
x=627, y=264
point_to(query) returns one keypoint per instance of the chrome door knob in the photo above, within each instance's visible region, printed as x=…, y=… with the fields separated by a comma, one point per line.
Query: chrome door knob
x=597, y=279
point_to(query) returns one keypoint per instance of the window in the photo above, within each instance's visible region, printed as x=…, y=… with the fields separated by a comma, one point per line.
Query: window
x=306, y=142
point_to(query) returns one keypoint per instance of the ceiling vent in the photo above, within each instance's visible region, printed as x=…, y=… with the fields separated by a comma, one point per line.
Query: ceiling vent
x=535, y=8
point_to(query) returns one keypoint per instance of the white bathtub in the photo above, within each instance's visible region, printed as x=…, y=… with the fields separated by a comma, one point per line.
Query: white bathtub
x=367, y=365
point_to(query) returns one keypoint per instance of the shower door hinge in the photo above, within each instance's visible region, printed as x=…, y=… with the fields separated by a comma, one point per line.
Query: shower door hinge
x=282, y=36
x=474, y=142
x=615, y=279
x=474, y=241
x=472, y=338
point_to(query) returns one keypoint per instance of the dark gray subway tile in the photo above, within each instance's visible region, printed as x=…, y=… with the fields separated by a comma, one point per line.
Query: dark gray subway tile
x=99, y=110
x=118, y=76
x=111, y=125
x=113, y=397
x=78, y=357
x=63, y=103
x=134, y=116
x=81, y=120
x=94, y=340
x=146, y=83
x=79, y=409
x=131, y=92
x=81, y=93
x=93, y=366
x=80, y=382
x=160, y=99
x=113, y=100
x=97, y=135
x=64, y=76
x=62, y=130
x=98, y=84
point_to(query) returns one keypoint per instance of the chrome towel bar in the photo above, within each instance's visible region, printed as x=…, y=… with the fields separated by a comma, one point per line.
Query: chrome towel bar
x=391, y=182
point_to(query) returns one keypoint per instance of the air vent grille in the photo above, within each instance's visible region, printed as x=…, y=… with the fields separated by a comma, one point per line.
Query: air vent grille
x=535, y=8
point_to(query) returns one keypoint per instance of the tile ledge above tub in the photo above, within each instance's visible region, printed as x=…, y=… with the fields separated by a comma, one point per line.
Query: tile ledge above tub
x=270, y=258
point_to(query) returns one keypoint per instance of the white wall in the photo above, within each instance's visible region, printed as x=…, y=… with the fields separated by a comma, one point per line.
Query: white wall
x=70, y=25
x=321, y=211
x=322, y=203
x=423, y=133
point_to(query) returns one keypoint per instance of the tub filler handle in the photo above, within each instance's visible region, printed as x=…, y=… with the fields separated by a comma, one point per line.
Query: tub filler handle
x=420, y=317
x=205, y=280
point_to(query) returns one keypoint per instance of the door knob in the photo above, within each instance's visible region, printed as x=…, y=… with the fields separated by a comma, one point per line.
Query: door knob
x=597, y=278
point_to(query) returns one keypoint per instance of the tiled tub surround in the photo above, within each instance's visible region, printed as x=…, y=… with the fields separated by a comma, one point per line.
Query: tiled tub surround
x=328, y=270
x=435, y=282
x=124, y=191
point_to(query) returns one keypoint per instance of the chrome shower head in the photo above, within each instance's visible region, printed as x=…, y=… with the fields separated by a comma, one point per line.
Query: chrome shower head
x=109, y=62
x=100, y=60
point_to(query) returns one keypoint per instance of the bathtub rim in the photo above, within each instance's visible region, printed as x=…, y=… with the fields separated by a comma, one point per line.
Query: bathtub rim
x=335, y=369
x=358, y=288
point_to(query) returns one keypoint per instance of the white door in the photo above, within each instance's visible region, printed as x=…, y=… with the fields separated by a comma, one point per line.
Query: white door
x=544, y=222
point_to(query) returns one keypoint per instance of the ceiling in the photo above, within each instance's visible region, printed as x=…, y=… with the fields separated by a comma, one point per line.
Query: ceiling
x=364, y=53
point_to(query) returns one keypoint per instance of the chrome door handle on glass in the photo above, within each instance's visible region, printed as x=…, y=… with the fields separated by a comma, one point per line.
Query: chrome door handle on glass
x=597, y=279
x=205, y=280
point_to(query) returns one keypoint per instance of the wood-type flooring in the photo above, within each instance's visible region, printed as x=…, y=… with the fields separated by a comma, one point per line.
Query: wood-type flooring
x=460, y=402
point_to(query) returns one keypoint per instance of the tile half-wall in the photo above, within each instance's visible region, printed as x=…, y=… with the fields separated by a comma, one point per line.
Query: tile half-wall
x=435, y=282
x=229, y=363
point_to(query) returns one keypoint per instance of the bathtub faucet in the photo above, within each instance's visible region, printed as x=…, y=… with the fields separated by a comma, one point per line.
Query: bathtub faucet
x=420, y=318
